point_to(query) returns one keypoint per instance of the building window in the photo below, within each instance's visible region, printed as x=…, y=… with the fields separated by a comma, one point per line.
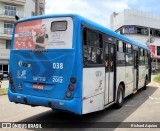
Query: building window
x=133, y=29
x=129, y=30
x=10, y=10
x=8, y=44
x=41, y=7
x=8, y=28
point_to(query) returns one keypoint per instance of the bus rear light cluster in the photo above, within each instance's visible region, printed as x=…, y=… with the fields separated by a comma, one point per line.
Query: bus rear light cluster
x=10, y=81
x=68, y=94
x=73, y=80
x=10, y=75
x=71, y=87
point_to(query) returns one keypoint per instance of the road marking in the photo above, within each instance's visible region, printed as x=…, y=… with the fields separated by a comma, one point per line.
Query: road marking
x=129, y=105
x=154, y=98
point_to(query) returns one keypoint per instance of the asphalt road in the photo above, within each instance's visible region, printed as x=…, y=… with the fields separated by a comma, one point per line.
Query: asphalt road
x=144, y=106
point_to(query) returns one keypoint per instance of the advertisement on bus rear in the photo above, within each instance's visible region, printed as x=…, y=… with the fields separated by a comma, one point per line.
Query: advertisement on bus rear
x=51, y=33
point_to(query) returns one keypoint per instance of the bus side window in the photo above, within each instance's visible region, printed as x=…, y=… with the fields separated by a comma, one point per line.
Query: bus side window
x=106, y=58
x=84, y=37
x=111, y=64
x=146, y=57
x=120, y=54
x=117, y=44
x=92, y=47
x=129, y=54
x=141, y=56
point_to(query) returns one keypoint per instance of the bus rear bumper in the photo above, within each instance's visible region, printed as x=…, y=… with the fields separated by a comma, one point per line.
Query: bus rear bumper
x=73, y=105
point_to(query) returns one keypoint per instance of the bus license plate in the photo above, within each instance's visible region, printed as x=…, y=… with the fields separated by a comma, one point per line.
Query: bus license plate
x=38, y=86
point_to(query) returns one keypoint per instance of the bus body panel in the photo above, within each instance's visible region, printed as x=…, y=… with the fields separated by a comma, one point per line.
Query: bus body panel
x=93, y=89
x=42, y=77
x=129, y=77
x=90, y=93
x=29, y=71
x=120, y=75
x=143, y=71
x=70, y=105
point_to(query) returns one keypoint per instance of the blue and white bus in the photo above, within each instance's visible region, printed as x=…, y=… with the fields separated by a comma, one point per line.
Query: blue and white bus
x=70, y=63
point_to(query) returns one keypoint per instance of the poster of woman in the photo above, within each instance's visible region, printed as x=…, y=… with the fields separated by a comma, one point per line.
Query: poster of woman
x=40, y=39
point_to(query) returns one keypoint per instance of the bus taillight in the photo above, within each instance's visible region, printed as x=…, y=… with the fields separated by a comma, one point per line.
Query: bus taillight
x=71, y=87
x=73, y=80
x=10, y=75
x=10, y=81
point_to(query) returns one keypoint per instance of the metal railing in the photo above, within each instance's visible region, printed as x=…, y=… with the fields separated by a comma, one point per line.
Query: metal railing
x=11, y=13
x=7, y=31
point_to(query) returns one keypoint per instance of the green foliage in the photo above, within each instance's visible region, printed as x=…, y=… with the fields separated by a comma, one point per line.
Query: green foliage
x=157, y=78
x=3, y=91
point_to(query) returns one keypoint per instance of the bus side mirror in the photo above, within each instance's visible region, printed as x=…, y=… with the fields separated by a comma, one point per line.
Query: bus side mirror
x=16, y=17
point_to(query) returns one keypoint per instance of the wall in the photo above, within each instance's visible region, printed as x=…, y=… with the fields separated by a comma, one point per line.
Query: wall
x=134, y=17
x=29, y=7
x=2, y=44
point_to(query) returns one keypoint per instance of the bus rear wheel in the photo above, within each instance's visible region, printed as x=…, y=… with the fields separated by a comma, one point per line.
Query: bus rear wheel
x=120, y=97
x=145, y=84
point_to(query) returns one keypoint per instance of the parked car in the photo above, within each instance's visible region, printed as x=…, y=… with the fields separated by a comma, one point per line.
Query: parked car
x=5, y=74
x=1, y=75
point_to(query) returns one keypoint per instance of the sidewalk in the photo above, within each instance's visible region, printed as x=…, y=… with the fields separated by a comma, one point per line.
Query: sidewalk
x=4, y=84
x=4, y=87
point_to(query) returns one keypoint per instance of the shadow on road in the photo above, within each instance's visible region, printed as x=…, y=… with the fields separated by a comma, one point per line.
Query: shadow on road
x=108, y=115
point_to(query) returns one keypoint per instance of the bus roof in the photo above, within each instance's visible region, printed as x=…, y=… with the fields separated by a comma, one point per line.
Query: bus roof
x=89, y=23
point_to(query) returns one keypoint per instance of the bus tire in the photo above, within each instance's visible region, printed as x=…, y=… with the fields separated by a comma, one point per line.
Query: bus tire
x=145, y=84
x=120, y=97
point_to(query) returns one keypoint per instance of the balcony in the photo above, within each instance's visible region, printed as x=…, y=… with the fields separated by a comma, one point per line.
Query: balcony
x=9, y=15
x=6, y=33
x=16, y=2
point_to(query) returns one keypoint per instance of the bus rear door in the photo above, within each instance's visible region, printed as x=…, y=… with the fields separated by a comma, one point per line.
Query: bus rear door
x=109, y=57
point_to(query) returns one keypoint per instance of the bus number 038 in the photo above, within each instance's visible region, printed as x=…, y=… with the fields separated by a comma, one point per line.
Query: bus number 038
x=57, y=65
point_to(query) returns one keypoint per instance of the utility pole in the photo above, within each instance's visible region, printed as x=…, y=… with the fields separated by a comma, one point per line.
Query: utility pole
x=149, y=36
x=36, y=7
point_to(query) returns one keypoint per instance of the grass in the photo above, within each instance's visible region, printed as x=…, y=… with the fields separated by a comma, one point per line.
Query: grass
x=3, y=91
x=157, y=78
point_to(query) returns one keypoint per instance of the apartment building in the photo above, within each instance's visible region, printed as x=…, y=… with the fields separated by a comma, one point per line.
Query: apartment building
x=140, y=26
x=8, y=10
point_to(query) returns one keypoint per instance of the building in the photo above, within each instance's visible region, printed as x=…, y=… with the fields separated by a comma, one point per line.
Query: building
x=34, y=7
x=140, y=26
x=8, y=10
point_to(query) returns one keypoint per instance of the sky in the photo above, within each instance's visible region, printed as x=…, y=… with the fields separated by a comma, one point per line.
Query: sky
x=99, y=11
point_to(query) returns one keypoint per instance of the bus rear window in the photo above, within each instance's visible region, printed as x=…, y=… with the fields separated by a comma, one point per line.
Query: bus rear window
x=58, y=26
x=50, y=33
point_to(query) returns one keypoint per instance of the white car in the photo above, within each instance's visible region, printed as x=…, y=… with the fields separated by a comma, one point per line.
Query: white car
x=1, y=75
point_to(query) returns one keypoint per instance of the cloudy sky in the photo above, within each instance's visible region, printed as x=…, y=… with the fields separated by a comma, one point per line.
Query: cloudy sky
x=100, y=10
